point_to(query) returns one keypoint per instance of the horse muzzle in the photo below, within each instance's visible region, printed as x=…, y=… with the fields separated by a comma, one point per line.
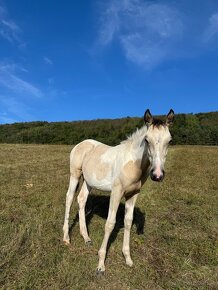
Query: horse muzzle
x=157, y=177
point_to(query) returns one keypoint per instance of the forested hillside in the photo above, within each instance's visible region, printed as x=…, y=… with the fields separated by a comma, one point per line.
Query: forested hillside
x=199, y=128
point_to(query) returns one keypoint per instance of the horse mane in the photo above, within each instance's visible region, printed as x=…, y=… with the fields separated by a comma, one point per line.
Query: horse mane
x=136, y=137
x=158, y=123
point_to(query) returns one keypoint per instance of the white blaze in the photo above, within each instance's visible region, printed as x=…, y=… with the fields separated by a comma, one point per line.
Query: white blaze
x=157, y=168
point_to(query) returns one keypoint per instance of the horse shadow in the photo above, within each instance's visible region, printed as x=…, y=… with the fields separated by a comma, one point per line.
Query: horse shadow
x=99, y=205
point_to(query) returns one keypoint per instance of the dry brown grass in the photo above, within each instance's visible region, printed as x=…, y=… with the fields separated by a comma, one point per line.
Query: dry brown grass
x=178, y=216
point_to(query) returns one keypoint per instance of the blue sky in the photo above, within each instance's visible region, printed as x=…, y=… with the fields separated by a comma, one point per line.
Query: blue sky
x=86, y=59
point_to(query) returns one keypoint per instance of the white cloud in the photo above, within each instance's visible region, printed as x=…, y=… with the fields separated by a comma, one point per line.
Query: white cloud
x=7, y=120
x=146, y=31
x=15, y=109
x=9, y=30
x=9, y=80
x=110, y=23
x=211, y=31
x=11, y=25
x=48, y=60
x=142, y=52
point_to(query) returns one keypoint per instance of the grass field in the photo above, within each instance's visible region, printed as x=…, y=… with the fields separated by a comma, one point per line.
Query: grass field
x=179, y=218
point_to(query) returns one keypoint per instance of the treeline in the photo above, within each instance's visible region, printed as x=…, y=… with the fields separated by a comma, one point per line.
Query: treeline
x=190, y=129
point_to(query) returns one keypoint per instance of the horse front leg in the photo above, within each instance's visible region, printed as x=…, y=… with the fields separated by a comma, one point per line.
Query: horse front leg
x=129, y=209
x=115, y=198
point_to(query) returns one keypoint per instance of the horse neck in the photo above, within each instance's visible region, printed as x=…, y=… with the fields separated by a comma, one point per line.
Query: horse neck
x=137, y=148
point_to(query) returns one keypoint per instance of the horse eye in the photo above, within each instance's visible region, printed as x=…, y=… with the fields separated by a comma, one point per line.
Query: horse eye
x=170, y=141
x=146, y=141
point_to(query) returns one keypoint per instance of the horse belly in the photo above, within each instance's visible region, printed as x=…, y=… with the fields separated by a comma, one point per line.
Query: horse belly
x=97, y=171
x=101, y=184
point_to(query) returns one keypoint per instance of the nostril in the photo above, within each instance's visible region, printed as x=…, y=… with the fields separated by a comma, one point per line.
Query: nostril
x=161, y=177
x=152, y=175
x=156, y=177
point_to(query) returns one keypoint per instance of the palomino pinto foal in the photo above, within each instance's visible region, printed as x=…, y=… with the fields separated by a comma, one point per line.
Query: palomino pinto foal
x=121, y=169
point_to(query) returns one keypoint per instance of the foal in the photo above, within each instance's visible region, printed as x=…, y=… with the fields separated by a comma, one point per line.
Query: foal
x=121, y=169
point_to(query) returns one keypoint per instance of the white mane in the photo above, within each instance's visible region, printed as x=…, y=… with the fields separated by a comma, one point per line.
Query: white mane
x=136, y=137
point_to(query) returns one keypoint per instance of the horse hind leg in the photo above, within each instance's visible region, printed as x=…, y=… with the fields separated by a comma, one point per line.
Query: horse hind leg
x=81, y=199
x=74, y=180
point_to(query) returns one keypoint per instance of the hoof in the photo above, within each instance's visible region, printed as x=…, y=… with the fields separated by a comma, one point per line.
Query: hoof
x=129, y=263
x=99, y=273
x=66, y=242
x=89, y=243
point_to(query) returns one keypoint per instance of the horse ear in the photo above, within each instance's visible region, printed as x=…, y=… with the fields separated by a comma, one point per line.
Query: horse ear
x=170, y=118
x=148, y=117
